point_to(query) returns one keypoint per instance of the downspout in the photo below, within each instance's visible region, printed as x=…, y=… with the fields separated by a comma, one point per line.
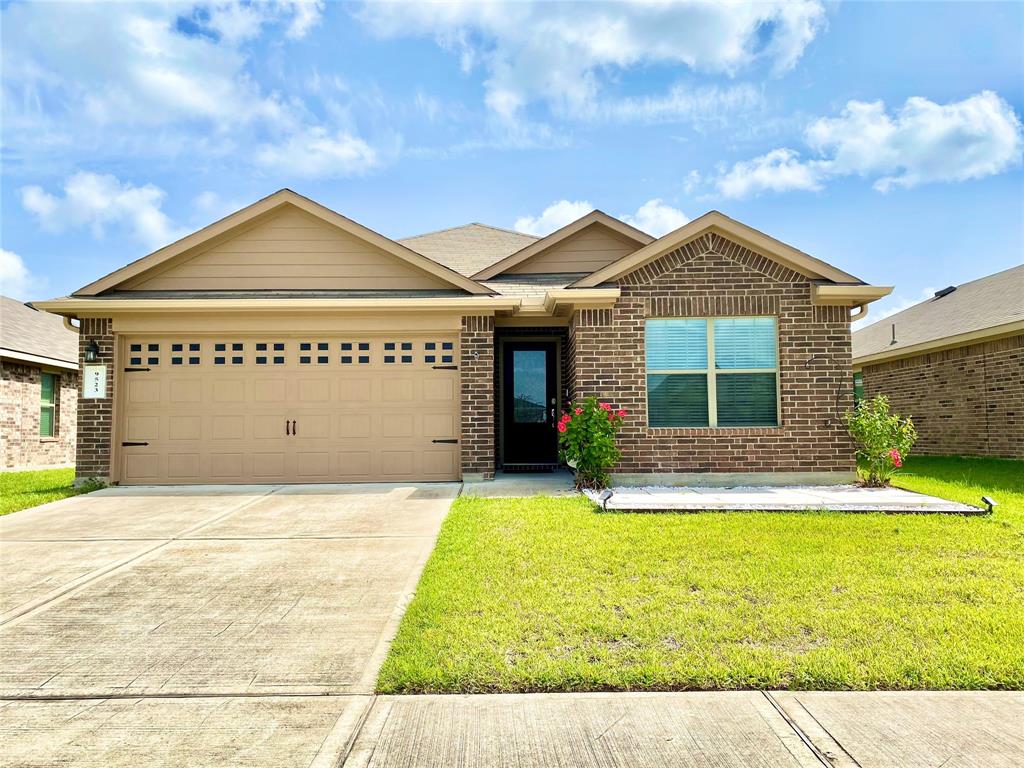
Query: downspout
x=67, y=324
x=860, y=315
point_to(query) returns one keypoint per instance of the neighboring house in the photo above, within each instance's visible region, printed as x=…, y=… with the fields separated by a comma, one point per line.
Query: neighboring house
x=38, y=388
x=955, y=363
x=287, y=343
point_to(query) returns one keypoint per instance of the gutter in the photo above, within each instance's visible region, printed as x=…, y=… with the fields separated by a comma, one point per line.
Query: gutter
x=28, y=357
x=948, y=342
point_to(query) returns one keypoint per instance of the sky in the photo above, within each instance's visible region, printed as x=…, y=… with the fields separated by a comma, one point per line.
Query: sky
x=885, y=139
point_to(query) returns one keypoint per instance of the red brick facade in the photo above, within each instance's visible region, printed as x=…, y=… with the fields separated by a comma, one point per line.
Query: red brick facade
x=713, y=277
x=965, y=401
x=477, y=377
x=95, y=416
x=21, y=446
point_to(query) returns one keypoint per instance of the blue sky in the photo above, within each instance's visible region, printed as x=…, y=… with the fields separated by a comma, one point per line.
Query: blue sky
x=883, y=138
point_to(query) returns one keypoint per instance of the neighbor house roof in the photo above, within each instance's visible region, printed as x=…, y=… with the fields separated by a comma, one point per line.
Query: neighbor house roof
x=981, y=309
x=31, y=336
x=469, y=248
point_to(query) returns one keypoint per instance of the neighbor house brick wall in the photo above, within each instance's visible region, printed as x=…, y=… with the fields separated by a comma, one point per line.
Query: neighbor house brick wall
x=967, y=401
x=714, y=277
x=96, y=415
x=21, y=446
x=477, y=377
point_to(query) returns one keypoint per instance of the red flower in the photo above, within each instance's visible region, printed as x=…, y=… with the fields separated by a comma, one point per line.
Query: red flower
x=561, y=426
x=897, y=460
x=605, y=406
x=622, y=414
x=611, y=416
x=579, y=411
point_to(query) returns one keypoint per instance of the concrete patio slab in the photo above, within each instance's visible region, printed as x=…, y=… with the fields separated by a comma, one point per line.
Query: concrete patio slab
x=912, y=729
x=517, y=484
x=589, y=730
x=273, y=732
x=849, y=498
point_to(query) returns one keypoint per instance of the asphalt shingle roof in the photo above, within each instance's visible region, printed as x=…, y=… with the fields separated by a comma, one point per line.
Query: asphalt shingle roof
x=469, y=248
x=28, y=330
x=975, y=306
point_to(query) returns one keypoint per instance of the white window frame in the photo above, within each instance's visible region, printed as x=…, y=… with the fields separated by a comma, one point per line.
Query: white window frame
x=712, y=373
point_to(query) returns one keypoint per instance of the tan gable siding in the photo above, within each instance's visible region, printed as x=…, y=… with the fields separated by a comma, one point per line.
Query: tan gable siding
x=591, y=249
x=289, y=251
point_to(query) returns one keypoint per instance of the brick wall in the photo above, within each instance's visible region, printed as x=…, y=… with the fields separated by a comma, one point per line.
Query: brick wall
x=95, y=416
x=967, y=401
x=713, y=277
x=477, y=376
x=21, y=446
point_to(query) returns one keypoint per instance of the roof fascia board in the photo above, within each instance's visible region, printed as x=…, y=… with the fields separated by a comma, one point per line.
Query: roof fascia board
x=98, y=307
x=719, y=223
x=594, y=217
x=948, y=342
x=266, y=205
x=28, y=357
x=848, y=295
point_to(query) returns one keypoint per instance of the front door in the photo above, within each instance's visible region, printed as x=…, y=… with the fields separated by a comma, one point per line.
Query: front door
x=529, y=403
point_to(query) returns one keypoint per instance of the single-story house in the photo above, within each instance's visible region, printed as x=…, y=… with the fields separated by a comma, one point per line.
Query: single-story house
x=955, y=363
x=287, y=343
x=38, y=388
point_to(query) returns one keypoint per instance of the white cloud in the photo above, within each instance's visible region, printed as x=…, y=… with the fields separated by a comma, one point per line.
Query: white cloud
x=564, y=53
x=15, y=279
x=889, y=306
x=923, y=142
x=555, y=216
x=317, y=153
x=97, y=201
x=656, y=218
x=702, y=105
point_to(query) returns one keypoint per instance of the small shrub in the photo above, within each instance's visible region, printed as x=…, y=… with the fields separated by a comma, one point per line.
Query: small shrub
x=586, y=439
x=883, y=440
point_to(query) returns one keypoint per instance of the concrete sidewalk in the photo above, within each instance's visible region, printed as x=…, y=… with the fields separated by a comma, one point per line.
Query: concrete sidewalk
x=719, y=729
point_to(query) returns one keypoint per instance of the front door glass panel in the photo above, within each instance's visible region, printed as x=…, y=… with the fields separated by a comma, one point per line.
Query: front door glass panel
x=529, y=383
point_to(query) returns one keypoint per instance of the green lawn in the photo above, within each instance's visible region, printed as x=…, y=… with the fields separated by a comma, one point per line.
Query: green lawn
x=549, y=594
x=21, y=490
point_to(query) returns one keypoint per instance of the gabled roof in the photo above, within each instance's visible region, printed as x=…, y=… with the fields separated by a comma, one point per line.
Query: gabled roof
x=714, y=221
x=469, y=248
x=591, y=219
x=283, y=197
x=984, y=308
x=29, y=335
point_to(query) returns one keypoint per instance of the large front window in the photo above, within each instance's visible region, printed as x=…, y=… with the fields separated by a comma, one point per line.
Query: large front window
x=739, y=388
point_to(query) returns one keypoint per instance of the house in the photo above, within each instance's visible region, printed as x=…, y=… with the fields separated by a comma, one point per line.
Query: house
x=955, y=363
x=38, y=388
x=287, y=343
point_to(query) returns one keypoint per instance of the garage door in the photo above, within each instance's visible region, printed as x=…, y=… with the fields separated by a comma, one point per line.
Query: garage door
x=248, y=409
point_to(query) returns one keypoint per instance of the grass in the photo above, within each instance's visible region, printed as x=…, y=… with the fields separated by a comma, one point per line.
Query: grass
x=549, y=594
x=21, y=490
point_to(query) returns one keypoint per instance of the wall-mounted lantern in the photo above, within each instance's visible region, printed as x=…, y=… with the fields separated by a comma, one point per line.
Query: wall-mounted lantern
x=92, y=351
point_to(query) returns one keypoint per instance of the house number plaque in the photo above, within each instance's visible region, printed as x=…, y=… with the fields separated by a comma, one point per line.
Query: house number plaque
x=94, y=381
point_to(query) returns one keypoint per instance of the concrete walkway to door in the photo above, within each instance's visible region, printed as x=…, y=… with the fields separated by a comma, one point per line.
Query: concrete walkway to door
x=203, y=626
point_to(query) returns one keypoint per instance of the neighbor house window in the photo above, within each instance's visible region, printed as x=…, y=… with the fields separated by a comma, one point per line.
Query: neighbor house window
x=712, y=372
x=47, y=401
x=858, y=387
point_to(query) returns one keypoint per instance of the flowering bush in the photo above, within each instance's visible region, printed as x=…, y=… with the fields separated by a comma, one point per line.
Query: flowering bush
x=883, y=439
x=586, y=439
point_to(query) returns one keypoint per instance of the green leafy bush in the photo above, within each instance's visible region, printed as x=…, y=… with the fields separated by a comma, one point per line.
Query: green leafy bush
x=586, y=439
x=883, y=440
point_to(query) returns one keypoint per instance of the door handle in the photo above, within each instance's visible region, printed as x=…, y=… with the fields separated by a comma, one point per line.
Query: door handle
x=287, y=427
x=295, y=430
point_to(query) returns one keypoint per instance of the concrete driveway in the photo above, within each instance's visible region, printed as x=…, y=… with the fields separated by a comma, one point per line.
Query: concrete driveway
x=203, y=626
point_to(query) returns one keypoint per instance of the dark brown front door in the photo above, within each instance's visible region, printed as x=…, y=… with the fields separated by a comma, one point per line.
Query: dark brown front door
x=529, y=403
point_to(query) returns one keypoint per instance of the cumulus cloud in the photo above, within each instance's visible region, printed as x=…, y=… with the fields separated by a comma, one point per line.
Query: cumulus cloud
x=555, y=216
x=318, y=153
x=99, y=201
x=654, y=217
x=564, y=53
x=922, y=142
x=15, y=279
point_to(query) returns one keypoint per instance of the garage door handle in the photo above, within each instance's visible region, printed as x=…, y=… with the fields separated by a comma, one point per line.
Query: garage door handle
x=445, y=367
x=287, y=427
x=133, y=370
x=453, y=442
x=131, y=443
x=295, y=429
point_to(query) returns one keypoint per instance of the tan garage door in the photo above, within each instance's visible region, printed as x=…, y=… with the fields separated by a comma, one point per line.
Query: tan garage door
x=242, y=409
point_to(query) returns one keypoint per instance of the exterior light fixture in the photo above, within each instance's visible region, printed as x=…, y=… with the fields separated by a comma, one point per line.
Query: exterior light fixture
x=989, y=502
x=605, y=495
x=92, y=351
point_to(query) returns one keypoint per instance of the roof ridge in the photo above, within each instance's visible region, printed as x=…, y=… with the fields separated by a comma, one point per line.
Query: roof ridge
x=470, y=224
